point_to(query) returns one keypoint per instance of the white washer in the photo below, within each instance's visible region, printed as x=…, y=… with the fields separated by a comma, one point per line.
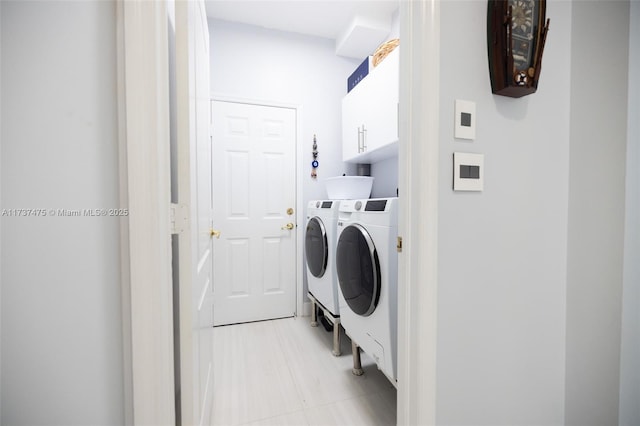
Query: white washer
x=320, y=249
x=320, y=253
x=367, y=269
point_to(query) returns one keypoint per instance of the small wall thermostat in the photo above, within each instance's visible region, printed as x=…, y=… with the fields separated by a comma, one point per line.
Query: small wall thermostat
x=468, y=171
x=465, y=120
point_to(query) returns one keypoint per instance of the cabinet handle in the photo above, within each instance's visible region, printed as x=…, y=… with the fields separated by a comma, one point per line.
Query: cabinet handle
x=364, y=139
x=359, y=140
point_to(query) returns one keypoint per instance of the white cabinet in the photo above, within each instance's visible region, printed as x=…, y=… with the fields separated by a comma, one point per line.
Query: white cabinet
x=354, y=121
x=370, y=114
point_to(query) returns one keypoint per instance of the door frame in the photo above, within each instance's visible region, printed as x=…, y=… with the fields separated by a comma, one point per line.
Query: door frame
x=215, y=96
x=418, y=169
x=148, y=375
x=145, y=244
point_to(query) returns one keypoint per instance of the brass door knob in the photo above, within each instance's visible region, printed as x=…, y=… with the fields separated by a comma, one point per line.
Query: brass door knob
x=288, y=226
x=214, y=233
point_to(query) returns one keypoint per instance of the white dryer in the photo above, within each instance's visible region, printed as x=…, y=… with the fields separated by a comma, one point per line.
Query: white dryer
x=367, y=269
x=320, y=249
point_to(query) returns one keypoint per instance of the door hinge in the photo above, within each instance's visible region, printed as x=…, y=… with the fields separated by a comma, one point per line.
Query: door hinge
x=179, y=218
x=399, y=245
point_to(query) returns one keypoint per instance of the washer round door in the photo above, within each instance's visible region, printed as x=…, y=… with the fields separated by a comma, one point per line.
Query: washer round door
x=316, y=247
x=358, y=269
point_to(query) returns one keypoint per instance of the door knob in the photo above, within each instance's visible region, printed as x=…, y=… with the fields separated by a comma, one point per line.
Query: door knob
x=288, y=226
x=214, y=233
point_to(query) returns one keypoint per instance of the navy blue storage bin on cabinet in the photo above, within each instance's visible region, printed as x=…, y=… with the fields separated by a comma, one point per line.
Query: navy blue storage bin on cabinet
x=361, y=72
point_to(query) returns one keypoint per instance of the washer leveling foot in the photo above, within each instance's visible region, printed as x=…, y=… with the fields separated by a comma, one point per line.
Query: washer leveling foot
x=357, y=364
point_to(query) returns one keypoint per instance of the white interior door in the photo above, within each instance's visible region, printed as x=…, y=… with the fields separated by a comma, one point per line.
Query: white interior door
x=254, y=195
x=193, y=215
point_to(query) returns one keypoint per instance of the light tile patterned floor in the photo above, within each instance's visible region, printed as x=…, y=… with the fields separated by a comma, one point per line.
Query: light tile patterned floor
x=282, y=373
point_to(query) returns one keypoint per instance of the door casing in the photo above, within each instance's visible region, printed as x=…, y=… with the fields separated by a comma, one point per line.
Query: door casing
x=419, y=27
x=147, y=310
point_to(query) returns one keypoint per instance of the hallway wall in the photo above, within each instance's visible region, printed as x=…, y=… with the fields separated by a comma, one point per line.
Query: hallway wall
x=502, y=251
x=596, y=210
x=530, y=294
x=61, y=309
x=630, y=349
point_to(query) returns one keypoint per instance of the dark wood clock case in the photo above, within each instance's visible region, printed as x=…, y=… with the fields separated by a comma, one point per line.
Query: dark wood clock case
x=516, y=35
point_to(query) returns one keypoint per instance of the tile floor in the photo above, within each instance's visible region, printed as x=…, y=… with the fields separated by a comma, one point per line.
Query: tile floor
x=282, y=373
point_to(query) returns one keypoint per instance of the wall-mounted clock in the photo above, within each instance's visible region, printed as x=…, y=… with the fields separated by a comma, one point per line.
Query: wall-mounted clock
x=516, y=34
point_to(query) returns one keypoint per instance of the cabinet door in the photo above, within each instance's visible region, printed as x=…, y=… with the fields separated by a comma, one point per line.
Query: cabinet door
x=355, y=110
x=350, y=127
x=382, y=120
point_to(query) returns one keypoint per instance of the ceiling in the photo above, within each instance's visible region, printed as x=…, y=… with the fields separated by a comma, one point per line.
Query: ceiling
x=349, y=22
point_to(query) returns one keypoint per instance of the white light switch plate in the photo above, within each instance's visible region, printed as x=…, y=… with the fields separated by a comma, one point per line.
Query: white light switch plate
x=465, y=120
x=468, y=171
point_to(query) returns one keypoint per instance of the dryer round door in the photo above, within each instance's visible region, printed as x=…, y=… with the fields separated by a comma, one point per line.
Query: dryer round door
x=316, y=247
x=358, y=269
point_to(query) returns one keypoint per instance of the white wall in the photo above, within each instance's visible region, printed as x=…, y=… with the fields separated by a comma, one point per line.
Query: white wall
x=385, y=173
x=502, y=252
x=596, y=210
x=61, y=310
x=395, y=25
x=261, y=64
x=630, y=349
